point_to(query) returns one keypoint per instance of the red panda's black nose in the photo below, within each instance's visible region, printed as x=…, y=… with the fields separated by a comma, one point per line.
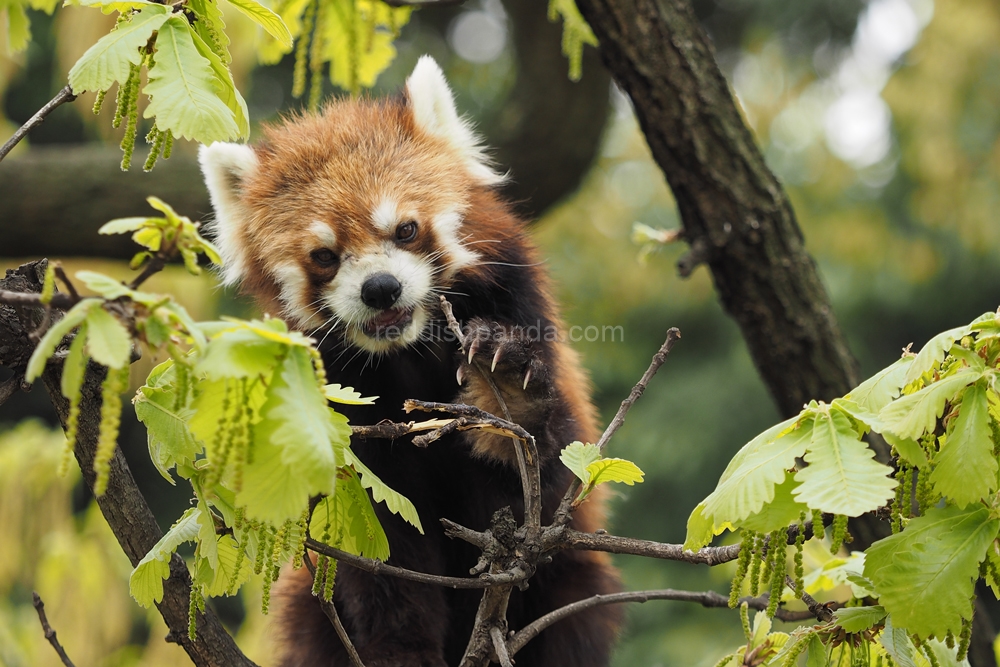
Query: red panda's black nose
x=381, y=291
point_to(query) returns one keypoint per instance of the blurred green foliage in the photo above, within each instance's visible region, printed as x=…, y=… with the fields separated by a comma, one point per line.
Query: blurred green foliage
x=882, y=120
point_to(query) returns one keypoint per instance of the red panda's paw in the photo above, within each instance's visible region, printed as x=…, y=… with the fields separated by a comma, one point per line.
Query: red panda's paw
x=511, y=354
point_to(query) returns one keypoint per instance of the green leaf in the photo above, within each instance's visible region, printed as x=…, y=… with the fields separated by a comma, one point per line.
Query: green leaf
x=933, y=352
x=395, y=501
x=207, y=538
x=108, y=341
x=946, y=657
x=924, y=575
x=211, y=27
x=577, y=456
x=108, y=6
x=897, y=644
x=842, y=476
x=701, y=529
x=759, y=466
x=226, y=89
x=109, y=60
x=169, y=438
x=126, y=225
x=18, y=28
x=816, y=653
x=346, y=520
x=182, y=91
x=878, y=391
x=104, y=285
x=965, y=469
x=266, y=19
x=240, y=353
x=915, y=414
x=47, y=345
x=614, y=470
x=223, y=580
x=858, y=619
x=75, y=365
x=781, y=512
x=146, y=582
x=346, y=395
x=909, y=450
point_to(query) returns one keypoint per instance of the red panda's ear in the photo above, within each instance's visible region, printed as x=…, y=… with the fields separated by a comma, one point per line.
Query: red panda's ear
x=225, y=166
x=434, y=112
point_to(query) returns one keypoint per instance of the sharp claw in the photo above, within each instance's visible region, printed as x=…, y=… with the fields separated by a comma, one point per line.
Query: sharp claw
x=527, y=376
x=460, y=375
x=474, y=347
x=496, y=359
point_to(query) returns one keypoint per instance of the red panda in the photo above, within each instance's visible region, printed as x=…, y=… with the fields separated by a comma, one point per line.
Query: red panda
x=350, y=224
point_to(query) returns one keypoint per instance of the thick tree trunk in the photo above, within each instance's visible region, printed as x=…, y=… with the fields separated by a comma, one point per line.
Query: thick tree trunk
x=736, y=216
x=122, y=505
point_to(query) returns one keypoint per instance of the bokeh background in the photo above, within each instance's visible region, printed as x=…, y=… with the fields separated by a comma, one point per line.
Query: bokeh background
x=880, y=117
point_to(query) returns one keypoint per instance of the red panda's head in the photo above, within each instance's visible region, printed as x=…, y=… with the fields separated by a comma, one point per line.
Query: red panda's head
x=353, y=219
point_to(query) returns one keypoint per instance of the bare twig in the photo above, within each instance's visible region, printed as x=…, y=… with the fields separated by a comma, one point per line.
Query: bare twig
x=331, y=613
x=377, y=567
x=563, y=514
x=822, y=612
x=573, y=539
x=63, y=96
x=50, y=634
x=500, y=646
x=61, y=275
x=155, y=265
x=59, y=300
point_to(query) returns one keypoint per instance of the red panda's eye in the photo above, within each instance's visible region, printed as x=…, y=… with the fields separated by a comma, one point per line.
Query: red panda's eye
x=407, y=231
x=324, y=257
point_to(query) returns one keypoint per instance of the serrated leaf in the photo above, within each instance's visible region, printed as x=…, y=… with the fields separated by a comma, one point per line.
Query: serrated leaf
x=240, y=353
x=880, y=389
x=897, y=644
x=182, y=91
x=925, y=579
x=125, y=225
x=226, y=89
x=104, y=285
x=909, y=450
x=700, y=529
x=18, y=28
x=946, y=657
x=816, y=653
x=211, y=26
x=842, y=476
x=965, y=469
x=781, y=512
x=169, y=439
x=108, y=341
x=858, y=619
x=47, y=345
x=934, y=350
x=395, y=501
x=266, y=19
x=146, y=582
x=915, y=414
x=577, y=456
x=347, y=520
x=75, y=365
x=109, y=60
x=346, y=395
x=614, y=470
x=223, y=580
x=760, y=465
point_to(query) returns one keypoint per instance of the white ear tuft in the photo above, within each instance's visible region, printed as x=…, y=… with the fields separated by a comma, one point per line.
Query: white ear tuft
x=434, y=112
x=225, y=166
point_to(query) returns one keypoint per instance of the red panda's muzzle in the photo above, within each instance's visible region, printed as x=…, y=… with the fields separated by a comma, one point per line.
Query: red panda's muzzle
x=389, y=324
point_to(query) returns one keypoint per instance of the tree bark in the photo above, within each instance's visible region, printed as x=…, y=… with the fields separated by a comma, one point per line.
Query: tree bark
x=122, y=505
x=736, y=217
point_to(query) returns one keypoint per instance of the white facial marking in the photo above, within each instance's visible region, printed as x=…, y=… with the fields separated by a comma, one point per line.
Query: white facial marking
x=447, y=226
x=385, y=217
x=225, y=166
x=294, y=284
x=343, y=297
x=323, y=233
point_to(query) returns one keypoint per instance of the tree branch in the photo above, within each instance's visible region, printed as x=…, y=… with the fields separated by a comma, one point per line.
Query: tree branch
x=63, y=96
x=50, y=634
x=709, y=599
x=330, y=610
x=60, y=301
x=377, y=567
